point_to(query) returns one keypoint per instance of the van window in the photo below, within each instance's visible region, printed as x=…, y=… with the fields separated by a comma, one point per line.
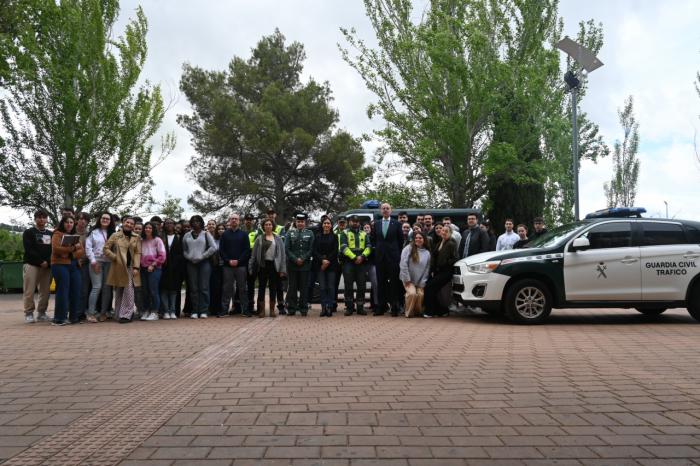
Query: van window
x=610, y=235
x=660, y=234
x=692, y=234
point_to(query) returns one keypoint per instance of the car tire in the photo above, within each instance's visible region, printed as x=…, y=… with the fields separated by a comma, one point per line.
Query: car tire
x=528, y=301
x=652, y=312
x=694, y=301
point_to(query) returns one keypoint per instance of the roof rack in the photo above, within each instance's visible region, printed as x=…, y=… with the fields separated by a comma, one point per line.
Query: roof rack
x=618, y=212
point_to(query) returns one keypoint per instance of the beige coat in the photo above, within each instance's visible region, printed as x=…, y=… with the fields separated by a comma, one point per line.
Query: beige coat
x=115, y=249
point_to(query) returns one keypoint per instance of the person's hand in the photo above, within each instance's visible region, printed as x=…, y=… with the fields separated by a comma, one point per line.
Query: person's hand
x=96, y=267
x=44, y=265
x=325, y=263
x=359, y=260
x=233, y=263
x=151, y=268
x=135, y=272
x=282, y=274
x=300, y=262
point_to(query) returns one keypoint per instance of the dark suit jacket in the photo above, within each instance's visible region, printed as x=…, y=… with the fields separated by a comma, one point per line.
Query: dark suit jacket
x=479, y=241
x=387, y=248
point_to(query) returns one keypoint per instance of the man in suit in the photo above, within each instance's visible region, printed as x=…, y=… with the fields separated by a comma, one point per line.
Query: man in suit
x=474, y=239
x=387, y=243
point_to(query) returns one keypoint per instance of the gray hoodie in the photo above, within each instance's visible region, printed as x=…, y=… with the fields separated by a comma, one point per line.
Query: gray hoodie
x=196, y=250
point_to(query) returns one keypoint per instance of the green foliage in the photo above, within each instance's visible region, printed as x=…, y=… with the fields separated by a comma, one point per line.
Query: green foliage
x=171, y=207
x=400, y=195
x=622, y=189
x=77, y=123
x=11, y=247
x=473, y=100
x=265, y=139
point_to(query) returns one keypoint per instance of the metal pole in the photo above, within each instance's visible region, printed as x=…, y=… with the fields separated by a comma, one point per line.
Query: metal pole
x=666, y=208
x=574, y=149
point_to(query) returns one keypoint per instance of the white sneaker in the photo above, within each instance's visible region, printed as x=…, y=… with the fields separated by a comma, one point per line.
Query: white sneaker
x=203, y=316
x=194, y=316
x=151, y=316
x=29, y=319
x=43, y=318
x=166, y=315
x=144, y=316
x=173, y=316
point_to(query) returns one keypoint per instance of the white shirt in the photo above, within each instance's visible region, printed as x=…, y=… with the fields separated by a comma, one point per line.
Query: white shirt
x=506, y=241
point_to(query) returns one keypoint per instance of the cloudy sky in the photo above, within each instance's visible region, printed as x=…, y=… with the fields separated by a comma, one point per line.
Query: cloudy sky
x=651, y=51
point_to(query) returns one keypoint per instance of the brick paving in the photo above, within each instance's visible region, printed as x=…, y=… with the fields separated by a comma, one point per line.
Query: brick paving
x=592, y=387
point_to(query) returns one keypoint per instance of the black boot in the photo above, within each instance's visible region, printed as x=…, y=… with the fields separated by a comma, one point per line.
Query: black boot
x=323, y=311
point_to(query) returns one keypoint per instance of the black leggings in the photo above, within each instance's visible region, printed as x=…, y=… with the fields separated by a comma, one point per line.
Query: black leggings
x=267, y=277
x=432, y=290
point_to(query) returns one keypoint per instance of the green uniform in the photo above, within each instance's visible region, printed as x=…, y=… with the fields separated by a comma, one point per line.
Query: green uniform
x=299, y=245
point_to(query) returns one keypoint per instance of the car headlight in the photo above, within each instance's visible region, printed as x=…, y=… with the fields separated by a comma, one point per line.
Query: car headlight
x=483, y=267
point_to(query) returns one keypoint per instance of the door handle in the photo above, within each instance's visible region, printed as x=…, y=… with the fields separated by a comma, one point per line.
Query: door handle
x=691, y=255
x=629, y=260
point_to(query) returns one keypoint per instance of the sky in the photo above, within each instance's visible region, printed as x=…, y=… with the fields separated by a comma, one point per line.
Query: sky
x=651, y=51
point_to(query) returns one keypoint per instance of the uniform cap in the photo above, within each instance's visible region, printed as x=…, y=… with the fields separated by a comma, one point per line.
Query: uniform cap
x=249, y=217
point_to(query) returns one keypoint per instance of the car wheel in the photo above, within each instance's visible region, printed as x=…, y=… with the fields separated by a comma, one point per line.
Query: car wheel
x=694, y=302
x=652, y=312
x=528, y=302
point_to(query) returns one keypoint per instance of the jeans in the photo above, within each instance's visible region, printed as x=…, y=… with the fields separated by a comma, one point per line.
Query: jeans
x=326, y=280
x=150, y=289
x=84, y=289
x=99, y=286
x=268, y=277
x=235, y=280
x=68, y=288
x=169, y=300
x=198, y=280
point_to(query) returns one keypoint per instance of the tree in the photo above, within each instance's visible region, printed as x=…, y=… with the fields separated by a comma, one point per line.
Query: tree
x=171, y=207
x=622, y=189
x=265, y=139
x=472, y=99
x=76, y=124
x=11, y=246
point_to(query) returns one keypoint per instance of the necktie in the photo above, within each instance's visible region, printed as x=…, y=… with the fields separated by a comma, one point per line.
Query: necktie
x=385, y=227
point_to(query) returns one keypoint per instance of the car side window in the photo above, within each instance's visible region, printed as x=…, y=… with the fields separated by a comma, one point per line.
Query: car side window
x=610, y=235
x=661, y=234
x=692, y=234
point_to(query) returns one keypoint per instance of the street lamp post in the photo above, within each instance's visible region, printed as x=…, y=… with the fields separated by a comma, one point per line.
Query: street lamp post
x=589, y=62
x=666, y=208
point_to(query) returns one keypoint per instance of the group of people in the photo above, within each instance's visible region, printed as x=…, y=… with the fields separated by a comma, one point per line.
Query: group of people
x=125, y=268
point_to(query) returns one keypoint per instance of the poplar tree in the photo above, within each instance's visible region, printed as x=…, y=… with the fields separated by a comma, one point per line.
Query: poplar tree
x=621, y=191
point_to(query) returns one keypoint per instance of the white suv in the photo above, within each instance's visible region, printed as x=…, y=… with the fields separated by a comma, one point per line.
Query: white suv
x=647, y=264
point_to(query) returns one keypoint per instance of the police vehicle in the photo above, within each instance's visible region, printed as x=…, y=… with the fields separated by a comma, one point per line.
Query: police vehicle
x=613, y=258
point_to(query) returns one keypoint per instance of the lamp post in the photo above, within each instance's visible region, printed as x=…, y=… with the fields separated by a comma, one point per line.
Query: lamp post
x=666, y=208
x=589, y=62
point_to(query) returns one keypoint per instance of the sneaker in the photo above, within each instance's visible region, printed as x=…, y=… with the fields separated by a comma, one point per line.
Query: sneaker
x=151, y=316
x=173, y=316
x=91, y=319
x=29, y=319
x=203, y=316
x=59, y=323
x=124, y=320
x=144, y=316
x=166, y=316
x=194, y=316
x=428, y=316
x=102, y=318
x=43, y=318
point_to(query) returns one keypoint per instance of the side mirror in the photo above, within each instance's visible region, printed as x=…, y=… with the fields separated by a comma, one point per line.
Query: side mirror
x=580, y=244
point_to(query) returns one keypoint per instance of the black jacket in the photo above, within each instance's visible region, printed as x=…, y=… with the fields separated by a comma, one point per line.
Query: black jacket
x=37, y=246
x=387, y=248
x=325, y=247
x=173, y=268
x=479, y=242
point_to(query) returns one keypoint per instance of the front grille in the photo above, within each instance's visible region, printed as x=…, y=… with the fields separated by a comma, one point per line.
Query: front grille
x=457, y=287
x=457, y=270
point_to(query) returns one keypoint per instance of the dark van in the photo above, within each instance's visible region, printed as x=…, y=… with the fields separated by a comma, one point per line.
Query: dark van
x=458, y=216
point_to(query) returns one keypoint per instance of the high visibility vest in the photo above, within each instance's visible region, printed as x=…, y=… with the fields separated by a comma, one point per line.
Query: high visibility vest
x=251, y=238
x=356, y=245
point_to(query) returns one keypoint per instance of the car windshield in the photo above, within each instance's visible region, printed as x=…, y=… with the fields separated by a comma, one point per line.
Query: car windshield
x=554, y=236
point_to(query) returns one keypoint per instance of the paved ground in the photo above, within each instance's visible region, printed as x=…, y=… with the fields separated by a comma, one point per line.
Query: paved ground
x=591, y=387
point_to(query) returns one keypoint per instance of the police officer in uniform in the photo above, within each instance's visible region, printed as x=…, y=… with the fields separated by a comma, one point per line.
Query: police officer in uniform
x=355, y=248
x=299, y=243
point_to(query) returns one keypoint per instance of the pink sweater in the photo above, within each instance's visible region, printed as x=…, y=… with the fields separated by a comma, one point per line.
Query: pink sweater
x=152, y=252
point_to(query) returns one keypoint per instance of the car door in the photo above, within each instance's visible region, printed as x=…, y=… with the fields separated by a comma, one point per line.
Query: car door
x=669, y=261
x=609, y=270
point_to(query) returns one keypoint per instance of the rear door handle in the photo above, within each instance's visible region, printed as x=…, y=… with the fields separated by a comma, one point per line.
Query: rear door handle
x=691, y=255
x=629, y=260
